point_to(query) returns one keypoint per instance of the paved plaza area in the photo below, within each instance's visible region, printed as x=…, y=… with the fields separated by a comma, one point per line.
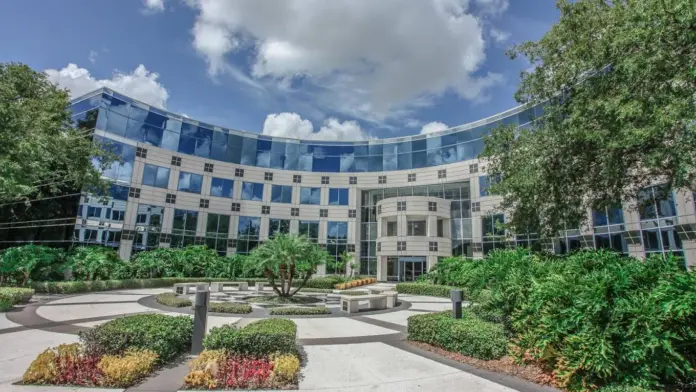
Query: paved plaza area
x=358, y=353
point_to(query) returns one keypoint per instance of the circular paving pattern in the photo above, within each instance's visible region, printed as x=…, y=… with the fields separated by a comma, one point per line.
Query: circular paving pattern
x=344, y=352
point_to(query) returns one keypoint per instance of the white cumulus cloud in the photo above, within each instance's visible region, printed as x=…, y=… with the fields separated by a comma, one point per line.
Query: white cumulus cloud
x=434, y=126
x=292, y=125
x=154, y=5
x=140, y=84
x=499, y=36
x=372, y=60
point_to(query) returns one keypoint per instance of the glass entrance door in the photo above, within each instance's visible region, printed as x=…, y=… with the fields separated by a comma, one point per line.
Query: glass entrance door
x=411, y=268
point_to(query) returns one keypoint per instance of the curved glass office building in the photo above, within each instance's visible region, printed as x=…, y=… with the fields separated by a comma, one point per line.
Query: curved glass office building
x=398, y=204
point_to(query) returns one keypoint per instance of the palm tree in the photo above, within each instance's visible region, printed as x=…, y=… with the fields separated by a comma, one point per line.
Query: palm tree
x=285, y=258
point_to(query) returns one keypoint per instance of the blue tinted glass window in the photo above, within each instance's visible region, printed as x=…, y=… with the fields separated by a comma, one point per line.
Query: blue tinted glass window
x=119, y=106
x=248, y=151
x=156, y=176
x=615, y=215
x=248, y=227
x=281, y=194
x=115, y=123
x=234, y=149
x=221, y=187
x=338, y=196
x=483, y=185
x=156, y=119
x=252, y=191
x=190, y=182
x=337, y=231
x=218, y=149
x=170, y=140
x=310, y=196
x=85, y=104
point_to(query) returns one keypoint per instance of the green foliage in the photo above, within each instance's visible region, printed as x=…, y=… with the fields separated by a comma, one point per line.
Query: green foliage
x=469, y=335
x=285, y=258
x=618, y=82
x=41, y=153
x=324, y=282
x=311, y=290
x=93, y=263
x=166, y=336
x=353, y=293
x=299, y=311
x=232, y=267
x=20, y=264
x=192, y=261
x=262, y=337
x=228, y=307
x=432, y=290
x=595, y=318
x=170, y=299
x=102, y=285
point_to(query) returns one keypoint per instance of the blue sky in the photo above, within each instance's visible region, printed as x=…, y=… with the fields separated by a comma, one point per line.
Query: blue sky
x=339, y=69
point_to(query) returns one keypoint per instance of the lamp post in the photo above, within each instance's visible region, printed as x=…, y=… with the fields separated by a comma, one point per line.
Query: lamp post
x=456, y=296
x=200, y=318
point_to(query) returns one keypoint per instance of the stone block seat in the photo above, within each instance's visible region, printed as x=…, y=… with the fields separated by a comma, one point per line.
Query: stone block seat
x=351, y=303
x=184, y=288
x=217, y=287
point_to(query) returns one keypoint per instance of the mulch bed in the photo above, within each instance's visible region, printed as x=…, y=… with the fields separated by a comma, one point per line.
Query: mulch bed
x=506, y=365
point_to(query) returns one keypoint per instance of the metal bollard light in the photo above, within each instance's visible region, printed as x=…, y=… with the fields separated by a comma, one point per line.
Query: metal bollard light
x=457, y=298
x=200, y=318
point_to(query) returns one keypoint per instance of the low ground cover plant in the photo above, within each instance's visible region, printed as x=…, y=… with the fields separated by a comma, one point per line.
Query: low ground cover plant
x=229, y=307
x=299, y=311
x=71, y=364
x=10, y=296
x=71, y=287
x=220, y=369
x=170, y=299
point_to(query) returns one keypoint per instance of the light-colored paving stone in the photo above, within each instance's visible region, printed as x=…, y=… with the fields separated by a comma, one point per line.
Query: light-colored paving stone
x=5, y=323
x=76, y=312
x=333, y=327
x=101, y=298
x=380, y=367
x=19, y=349
x=399, y=317
x=46, y=388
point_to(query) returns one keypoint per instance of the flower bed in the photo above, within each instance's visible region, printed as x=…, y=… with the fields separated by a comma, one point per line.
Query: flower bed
x=220, y=369
x=355, y=283
x=116, y=354
x=299, y=311
x=229, y=307
x=170, y=299
x=9, y=296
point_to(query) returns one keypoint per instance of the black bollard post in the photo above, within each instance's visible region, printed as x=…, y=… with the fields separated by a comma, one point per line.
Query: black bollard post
x=200, y=318
x=456, y=296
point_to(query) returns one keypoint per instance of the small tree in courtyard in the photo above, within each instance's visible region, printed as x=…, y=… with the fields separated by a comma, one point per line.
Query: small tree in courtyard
x=286, y=258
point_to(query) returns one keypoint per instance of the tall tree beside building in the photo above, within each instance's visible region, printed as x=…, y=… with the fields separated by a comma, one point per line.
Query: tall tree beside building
x=619, y=82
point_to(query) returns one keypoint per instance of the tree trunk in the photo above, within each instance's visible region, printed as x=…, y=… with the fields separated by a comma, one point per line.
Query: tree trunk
x=304, y=282
x=26, y=278
x=269, y=275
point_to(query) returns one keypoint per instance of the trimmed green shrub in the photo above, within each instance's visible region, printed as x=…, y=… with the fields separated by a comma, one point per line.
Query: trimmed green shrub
x=320, y=291
x=432, y=290
x=299, y=311
x=259, y=338
x=624, y=388
x=469, y=335
x=229, y=307
x=324, y=282
x=9, y=296
x=103, y=285
x=167, y=336
x=170, y=299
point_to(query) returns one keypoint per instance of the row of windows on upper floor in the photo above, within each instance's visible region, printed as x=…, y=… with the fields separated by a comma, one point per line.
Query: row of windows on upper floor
x=200, y=141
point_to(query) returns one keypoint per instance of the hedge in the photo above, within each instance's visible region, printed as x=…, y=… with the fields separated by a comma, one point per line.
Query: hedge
x=322, y=282
x=103, y=285
x=469, y=335
x=432, y=290
x=262, y=337
x=319, y=291
x=167, y=336
x=299, y=311
x=228, y=307
x=9, y=296
x=170, y=299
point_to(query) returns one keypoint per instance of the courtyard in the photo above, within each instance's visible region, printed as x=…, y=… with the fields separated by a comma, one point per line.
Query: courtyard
x=340, y=351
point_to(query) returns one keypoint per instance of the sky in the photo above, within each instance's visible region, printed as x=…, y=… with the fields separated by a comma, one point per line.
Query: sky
x=311, y=69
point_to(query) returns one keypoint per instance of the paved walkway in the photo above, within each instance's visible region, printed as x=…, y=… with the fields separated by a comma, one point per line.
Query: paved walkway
x=364, y=352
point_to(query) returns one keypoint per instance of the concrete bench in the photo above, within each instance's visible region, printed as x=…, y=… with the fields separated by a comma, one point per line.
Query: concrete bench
x=217, y=287
x=351, y=303
x=392, y=297
x=184, y=288
x=379, y=290
x=259, y=286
